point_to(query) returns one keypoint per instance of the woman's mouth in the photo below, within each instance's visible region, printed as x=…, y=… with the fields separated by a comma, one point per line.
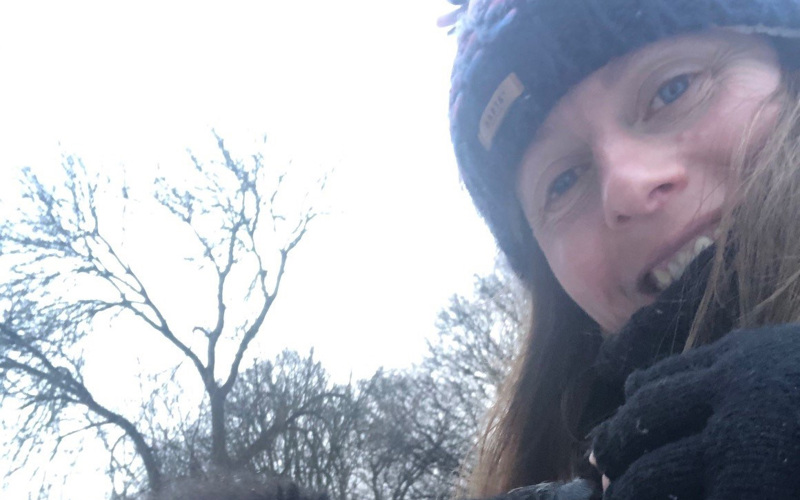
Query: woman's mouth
x=669, y=270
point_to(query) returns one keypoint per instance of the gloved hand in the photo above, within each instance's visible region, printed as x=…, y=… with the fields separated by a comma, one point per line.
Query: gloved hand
x=721, y=422
x=578, y=489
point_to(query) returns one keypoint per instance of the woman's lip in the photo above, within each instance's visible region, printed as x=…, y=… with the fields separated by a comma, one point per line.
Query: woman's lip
x=701, y=226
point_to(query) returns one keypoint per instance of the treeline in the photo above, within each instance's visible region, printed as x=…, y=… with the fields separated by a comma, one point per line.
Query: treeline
x=68, y=275
x=399, y=435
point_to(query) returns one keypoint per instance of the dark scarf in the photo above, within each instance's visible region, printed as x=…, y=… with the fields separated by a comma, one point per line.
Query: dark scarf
x=653, y=333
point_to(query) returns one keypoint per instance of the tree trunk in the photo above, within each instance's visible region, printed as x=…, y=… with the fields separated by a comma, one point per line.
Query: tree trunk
x=219, y=441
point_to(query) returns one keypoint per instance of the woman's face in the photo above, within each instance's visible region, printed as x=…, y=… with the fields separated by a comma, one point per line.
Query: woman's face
x=625, y=181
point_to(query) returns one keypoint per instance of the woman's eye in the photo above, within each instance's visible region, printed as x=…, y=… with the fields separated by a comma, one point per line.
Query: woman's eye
x=565, y=181
x=671, y=91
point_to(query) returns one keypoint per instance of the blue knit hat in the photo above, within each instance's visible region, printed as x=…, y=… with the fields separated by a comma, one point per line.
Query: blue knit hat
x=517, y=58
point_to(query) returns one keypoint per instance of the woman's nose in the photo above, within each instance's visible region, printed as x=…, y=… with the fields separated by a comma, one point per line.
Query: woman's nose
x=638, y=178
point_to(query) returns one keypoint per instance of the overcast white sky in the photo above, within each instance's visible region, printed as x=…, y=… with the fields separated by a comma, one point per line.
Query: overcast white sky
x=356, y=84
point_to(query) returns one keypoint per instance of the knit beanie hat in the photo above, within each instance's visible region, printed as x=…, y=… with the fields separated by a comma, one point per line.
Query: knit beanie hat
x=517, y=58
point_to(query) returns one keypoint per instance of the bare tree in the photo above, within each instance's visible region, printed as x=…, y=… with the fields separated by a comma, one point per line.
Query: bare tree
x=477, y=338
x=301, y=421
x=411, y=440
x=71, y=270
x=466, y=363
x=285, y=419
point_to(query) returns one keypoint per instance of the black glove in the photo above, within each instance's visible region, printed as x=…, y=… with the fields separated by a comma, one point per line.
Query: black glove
x=720, y=422
x=578, y=489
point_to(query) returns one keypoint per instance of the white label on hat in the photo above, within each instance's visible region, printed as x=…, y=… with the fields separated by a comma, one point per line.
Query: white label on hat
x=506, y=93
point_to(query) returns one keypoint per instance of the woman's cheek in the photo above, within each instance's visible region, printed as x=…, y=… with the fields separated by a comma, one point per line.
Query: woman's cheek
x=713, y=142
x=742, y=116
x=579, y=262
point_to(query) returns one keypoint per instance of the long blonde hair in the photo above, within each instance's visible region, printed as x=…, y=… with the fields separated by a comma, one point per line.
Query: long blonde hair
x=525, y=440
x=757, y=266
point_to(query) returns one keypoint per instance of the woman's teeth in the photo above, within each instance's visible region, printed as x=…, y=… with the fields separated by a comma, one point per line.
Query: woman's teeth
x=666, y=273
